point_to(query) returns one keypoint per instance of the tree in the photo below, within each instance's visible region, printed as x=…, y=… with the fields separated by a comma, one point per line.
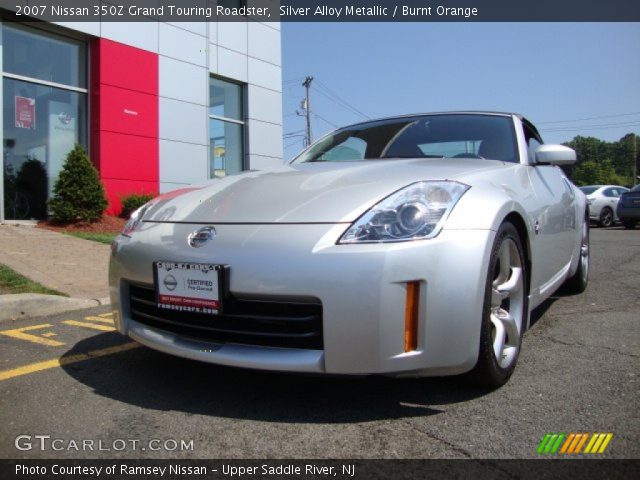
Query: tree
x=32, y=182
x=78, y=194
x=596, y=173
x=602, y=162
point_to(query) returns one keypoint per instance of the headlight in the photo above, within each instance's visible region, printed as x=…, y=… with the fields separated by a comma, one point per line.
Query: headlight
x=416, y=212
x=135, y=220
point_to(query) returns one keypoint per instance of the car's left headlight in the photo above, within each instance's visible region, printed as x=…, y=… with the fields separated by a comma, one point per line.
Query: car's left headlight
x=415, y=212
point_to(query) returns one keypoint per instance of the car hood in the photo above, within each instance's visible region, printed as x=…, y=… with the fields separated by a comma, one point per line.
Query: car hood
x=319, y=192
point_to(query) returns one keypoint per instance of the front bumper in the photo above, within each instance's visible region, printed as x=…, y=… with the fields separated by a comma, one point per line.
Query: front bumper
x=362, y=289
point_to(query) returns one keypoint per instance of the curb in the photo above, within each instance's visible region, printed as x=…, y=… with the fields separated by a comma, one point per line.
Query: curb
x=26, y=305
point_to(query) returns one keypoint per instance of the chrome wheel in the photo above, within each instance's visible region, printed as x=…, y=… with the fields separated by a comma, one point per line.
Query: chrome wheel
x=505, y=309
x=577, y=283
x=606, y=217
x=507, y=304
x=584, y=252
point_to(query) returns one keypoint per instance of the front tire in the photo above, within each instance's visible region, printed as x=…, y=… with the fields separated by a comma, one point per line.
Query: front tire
x=578, y=282
x=629, y=224
x=606, y=217
x=505, y=310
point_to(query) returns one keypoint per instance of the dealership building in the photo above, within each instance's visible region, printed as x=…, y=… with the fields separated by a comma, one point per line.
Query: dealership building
x=158, y=105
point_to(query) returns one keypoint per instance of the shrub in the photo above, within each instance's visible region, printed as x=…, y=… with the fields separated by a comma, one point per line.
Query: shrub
x=78, y=194
x=132, y=202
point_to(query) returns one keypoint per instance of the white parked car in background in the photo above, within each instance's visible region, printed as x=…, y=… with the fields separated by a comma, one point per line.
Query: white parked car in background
x=603, y=200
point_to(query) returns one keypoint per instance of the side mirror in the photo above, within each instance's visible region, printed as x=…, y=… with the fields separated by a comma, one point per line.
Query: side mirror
x=555, y=155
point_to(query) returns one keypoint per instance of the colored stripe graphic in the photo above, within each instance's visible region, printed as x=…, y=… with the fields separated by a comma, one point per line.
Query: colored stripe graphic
x=550, y=443
x=573, y=443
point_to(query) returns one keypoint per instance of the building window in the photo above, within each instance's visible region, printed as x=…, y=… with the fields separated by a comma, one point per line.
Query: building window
x=44, y=114
x=226, y=127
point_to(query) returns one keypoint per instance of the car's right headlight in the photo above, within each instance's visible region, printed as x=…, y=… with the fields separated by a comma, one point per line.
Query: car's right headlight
x=135, y=220
x=417, y=211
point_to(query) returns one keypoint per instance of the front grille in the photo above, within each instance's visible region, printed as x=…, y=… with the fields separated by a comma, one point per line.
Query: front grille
x=273, y=321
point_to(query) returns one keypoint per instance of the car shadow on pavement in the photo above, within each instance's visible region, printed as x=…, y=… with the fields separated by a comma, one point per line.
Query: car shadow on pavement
x=542, y=309
x=153, y=380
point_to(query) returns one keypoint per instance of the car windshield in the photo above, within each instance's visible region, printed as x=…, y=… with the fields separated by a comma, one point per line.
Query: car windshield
x=588, y=190
x=425, y=136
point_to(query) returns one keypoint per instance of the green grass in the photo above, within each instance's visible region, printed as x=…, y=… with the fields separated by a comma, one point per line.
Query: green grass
x=13, y=282
x=96, y=237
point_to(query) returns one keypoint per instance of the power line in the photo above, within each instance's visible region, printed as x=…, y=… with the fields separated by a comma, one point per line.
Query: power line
x=589, y=118
x=604, y=126
x=291, y=144
x=292, y=80
x=325, y=120
x=336, y=98
x=346, y=107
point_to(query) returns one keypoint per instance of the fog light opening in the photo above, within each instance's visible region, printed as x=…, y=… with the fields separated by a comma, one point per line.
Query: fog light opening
x=412, y=307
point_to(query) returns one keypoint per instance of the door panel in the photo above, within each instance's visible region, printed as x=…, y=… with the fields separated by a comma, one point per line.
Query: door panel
x=553, y=244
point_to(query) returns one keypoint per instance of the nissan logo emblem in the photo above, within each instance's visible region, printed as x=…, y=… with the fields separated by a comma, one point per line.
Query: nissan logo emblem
x=201, y=236
x=170, y=282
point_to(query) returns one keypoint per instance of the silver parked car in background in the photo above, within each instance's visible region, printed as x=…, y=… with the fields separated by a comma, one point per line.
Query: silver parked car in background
x=414, y=245
x=603, y=202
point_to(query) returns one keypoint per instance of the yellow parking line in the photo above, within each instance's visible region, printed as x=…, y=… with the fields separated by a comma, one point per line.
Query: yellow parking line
x=100, y=319
x=19, y=334
x=59, y=362
x=94, y=326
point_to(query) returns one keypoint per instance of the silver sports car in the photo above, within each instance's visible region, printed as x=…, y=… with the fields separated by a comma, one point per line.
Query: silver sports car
x=413, y=245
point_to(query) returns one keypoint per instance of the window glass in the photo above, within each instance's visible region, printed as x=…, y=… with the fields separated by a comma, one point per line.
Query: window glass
x=32, y=53
x=351, y=149
x=41, y=125
x=450, y=136
x=609, y=192
x=225, y=99
x=588, y=190
x=532, y=146
x=226, y=148
x=226, y=128
x=451, y=149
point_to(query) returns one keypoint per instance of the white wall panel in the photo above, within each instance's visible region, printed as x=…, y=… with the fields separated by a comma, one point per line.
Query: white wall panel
x=92, y=28
x=258, y=162
x=183, y=45
x=264, y=43
x=213, y=58
x=213, y=32
x=264, y=74
x=233, y=35
x=196, y=27
x=232, y=64
x=182, y=162
x=183, y=121
x=183, y=81
x=264, y=104
x=136, y=34
x=265, y=139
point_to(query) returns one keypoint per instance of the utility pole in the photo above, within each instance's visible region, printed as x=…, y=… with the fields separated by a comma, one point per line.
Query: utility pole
x=307, y=85
x=635, y=159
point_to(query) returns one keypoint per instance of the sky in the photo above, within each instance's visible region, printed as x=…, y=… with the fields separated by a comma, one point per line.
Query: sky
x=567, y=78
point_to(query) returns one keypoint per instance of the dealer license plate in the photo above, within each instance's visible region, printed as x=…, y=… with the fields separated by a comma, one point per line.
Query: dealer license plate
x=190, y=287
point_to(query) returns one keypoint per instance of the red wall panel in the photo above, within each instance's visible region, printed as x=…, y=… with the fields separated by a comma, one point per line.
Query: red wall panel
x=127, y=111
x=128, y=67
x=124, y=119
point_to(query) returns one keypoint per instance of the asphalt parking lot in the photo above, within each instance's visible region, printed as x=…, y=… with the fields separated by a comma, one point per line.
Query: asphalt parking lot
x=72, y=378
